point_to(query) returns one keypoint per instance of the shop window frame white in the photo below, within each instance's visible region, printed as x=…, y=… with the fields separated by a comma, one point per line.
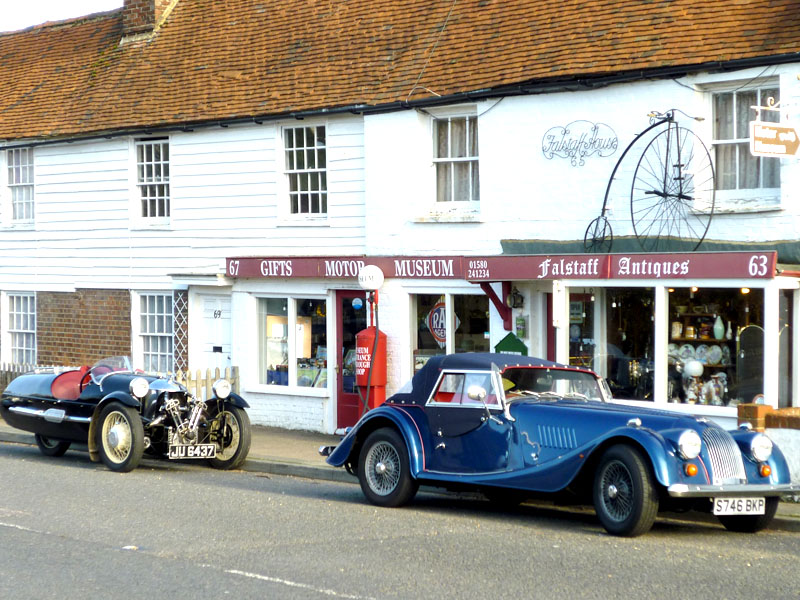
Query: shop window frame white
x=292, y=388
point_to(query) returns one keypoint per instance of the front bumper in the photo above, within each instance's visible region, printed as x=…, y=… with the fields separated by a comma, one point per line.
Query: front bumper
x=682, y=490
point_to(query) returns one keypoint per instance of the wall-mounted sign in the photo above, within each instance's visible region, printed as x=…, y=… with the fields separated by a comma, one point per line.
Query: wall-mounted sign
x=511, y=267
x=579, y=140
x=771, y=139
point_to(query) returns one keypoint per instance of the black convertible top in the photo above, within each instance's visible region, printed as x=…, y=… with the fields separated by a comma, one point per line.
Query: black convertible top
x=424, y=380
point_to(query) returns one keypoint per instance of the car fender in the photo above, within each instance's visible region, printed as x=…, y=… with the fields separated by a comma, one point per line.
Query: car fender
x=781, y=473
x=236, y=400
x=396, y=417
x=118, y=396
x=654, y=446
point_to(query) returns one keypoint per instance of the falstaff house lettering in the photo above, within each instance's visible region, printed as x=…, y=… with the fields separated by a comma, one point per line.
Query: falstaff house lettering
x=579, y=140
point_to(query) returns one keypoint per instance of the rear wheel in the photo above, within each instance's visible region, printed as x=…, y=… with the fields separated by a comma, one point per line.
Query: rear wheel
x=230, y=431
x=383, y=469
x=50, y=447
x=120, y=437
x=751, y=523
x=625, y=498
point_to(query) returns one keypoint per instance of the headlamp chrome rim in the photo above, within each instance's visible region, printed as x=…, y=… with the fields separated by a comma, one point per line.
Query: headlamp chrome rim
x=689, y=444
x=139, y=387
x=222, y=388
x=761, y=447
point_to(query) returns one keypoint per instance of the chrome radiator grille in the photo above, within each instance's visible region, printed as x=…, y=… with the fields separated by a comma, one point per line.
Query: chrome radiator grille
x=726, y=458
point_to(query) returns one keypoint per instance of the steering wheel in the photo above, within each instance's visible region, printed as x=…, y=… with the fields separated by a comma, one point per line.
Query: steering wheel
x=85, y=379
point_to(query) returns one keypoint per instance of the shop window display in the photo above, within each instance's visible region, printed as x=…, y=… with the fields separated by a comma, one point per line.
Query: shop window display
x=471, y=327
x=309, y=330
x=716, y=348
x=626, y=358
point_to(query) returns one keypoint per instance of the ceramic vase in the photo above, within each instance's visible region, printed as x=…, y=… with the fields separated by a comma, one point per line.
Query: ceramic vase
x=719, y=328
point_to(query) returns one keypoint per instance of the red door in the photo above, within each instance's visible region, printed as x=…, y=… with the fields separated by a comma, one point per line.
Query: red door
x=351, y=317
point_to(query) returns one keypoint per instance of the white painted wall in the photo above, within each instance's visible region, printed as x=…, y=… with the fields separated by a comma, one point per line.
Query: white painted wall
x=525, y=195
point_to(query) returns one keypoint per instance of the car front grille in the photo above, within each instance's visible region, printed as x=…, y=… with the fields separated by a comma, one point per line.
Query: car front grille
x=726, y=458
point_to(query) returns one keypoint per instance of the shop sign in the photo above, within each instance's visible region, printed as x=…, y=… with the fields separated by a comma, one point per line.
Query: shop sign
x=437, y=323
x=679, y=265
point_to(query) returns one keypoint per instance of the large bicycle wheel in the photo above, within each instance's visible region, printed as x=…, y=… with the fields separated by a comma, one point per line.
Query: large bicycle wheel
x=672, y=196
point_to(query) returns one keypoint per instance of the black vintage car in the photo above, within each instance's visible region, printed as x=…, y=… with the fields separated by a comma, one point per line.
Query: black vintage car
x=123, y=414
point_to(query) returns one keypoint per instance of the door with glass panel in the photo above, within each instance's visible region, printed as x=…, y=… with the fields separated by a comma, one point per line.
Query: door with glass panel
x=351, y=317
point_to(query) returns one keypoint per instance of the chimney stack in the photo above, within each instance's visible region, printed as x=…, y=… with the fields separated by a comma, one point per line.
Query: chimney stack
x=141, y=16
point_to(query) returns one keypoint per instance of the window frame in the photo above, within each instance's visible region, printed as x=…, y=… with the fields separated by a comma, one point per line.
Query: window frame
x=741, y=199
x=292, y=322
x=139, y=219
x=8, y=187
x=13, y=331
x=473, y=160
x=289, y=171
x=139, y=317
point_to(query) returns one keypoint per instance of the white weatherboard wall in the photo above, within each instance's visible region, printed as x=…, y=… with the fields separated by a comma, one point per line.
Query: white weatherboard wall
x=227, y=199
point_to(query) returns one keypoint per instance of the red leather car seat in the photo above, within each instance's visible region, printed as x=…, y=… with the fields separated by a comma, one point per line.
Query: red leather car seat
x=67, y=385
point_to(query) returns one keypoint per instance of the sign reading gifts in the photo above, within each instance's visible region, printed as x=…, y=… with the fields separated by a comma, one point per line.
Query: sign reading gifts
x=685, y=265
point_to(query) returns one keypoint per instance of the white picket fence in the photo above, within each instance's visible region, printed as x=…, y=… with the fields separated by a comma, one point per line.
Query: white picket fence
x=198, y=382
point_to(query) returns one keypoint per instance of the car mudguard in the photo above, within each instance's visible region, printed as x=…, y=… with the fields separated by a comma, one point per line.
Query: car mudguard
x=656, y=448
x=118, y=396
x=396, y=417
x=236, y=400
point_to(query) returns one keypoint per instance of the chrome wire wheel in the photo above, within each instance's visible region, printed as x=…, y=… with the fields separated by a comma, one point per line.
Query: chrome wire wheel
x=384, y=472
x=117, y=437
x=120, y=437
x=229, y=431
x=624, y=492
x=383, y=468
x=617, y=490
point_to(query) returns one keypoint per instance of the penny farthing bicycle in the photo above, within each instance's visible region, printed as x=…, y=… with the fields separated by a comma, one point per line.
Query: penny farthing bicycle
x=672, y=191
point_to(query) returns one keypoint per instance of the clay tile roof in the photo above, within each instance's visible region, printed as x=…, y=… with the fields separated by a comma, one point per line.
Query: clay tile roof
x=241, y=58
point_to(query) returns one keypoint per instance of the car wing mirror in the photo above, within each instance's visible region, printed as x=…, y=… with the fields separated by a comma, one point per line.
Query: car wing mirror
x=478, y=394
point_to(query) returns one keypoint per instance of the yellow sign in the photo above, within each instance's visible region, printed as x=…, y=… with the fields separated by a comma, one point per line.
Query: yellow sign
x=771, y=139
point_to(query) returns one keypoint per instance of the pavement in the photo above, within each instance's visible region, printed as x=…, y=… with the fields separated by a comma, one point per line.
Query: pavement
x=295, y=453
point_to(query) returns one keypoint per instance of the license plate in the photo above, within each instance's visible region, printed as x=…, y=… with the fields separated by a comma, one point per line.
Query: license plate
x=739, y=506
x=180, y=451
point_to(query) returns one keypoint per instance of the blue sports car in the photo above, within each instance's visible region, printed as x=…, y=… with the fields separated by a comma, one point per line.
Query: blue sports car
x=516, y=427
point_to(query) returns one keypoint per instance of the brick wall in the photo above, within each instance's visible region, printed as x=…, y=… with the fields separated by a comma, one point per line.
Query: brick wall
x=140, y=16
x=81, y=327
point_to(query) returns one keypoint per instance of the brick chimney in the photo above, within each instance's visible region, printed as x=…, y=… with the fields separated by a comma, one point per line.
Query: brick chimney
x=141, y=16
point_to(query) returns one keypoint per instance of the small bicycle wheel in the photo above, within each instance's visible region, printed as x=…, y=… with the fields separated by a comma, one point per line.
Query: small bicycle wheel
x=598, y=236
x=672, y=195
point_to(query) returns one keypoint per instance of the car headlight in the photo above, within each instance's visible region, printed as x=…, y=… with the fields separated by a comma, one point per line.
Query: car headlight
x=139, y=387
x=689, y=444
x=222, y=388
x=761, y=447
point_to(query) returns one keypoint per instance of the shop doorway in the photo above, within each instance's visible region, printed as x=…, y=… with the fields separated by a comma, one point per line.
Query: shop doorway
x=351, y=317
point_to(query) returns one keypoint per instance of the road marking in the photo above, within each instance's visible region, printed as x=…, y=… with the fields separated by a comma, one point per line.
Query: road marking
x=20, y=527
x=304, y=586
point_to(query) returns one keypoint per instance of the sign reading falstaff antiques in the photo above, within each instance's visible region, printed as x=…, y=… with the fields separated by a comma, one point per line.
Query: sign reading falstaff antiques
x=679, y=265
x=579, y=140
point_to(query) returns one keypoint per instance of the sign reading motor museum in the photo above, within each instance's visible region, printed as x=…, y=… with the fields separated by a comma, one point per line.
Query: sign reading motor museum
x=684, y=265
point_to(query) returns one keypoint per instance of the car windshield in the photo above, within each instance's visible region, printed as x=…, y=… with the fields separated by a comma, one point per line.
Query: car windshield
x=112, y=364
x=549, y=382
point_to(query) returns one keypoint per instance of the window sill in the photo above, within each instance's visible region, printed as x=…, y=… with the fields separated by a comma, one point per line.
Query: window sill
x=286, y=390
x=19, y=226
x=151, y=225
x=450, y=217
x=303, y=221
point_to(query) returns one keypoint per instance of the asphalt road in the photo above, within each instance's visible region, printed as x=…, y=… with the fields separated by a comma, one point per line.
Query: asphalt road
x=70, y=528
